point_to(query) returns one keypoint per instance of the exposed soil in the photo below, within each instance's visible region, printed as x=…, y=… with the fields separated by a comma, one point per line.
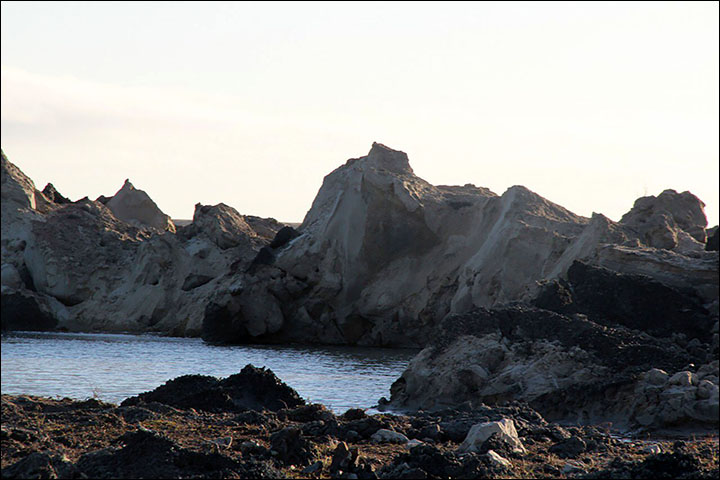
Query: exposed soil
x=63, y=438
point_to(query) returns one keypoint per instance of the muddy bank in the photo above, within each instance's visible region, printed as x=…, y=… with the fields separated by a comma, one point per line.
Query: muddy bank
x=173, y=432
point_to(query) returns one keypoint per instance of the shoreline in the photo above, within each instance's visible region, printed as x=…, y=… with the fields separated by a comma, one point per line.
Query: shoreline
x=190, y=428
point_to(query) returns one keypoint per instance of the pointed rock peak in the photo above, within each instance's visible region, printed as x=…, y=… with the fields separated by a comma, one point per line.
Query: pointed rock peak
x=53, y=195
x=136, y=207
x=386, y=158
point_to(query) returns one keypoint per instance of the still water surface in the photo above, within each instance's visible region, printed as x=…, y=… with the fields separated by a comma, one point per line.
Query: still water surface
x=114, y=367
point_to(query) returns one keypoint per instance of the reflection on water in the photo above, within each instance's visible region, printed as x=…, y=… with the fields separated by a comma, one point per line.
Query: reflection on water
x=114, y=367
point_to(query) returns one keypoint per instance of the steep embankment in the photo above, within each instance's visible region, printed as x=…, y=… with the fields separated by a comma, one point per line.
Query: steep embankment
x=383, y=256
x=115, y=264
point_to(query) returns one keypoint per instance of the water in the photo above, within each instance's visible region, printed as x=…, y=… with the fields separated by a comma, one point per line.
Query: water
x=114, y=367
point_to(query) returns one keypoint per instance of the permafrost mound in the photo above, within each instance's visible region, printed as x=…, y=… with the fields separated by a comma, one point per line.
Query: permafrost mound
x=558, y=303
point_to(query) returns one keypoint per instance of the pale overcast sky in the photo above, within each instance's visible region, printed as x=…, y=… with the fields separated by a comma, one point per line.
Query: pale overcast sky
x=588, y=104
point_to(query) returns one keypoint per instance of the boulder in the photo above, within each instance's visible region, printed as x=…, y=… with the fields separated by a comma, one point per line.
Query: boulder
x=137, y=208
x=222, y=224
x=478, y=434
x=659, y=219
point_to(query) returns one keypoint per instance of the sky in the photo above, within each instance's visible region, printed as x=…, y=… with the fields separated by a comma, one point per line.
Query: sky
x=591, y=105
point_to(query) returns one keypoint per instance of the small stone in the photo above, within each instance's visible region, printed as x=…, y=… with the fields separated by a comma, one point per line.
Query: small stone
x=224, y=442
x=248, y=445
x=315, y=467
x=388, y=436
x=652, y=449
x=573, y=467
x=431, y=431
x=657, y=377
x=413, y=443
x=498, y=460
x=684, y=379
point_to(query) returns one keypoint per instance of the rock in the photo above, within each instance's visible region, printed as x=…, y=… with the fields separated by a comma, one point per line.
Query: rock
x=428, y=461
x=572, y=468
x=713, y=241
x=384, y=435
x=136, y=207
x=561, y=364
x=354, y=414
x=291, y=447
x=24, y=310
x=284, y=236
x=307, y=413
x=252, y=313
x=570, y=448
x=682, y=400
x=195, y=280
x=10, y=277
x=661, y=465
x=431, y=431
x=652, y=449
x=635, y=301
x=314, y=468
x=685, y=379
x=134, y=279
x=497, y=460
x=145, y=454
x=223, y=225
x=706, y=390
x=505, y=429
x=656, y=376
x=53, y=195
x=659, y=218
x=40, y=465
x=251, y=389
x=381, y=258
x=344, y=458
x=18, y=190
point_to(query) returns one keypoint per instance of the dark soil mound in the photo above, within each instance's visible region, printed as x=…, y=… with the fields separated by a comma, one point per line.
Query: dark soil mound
x=251, y=389
x=619, y=348
x=634, y=301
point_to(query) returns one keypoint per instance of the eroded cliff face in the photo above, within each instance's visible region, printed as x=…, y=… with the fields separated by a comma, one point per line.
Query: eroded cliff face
x=78, y=266
x=512, y=296
x=381, y=258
